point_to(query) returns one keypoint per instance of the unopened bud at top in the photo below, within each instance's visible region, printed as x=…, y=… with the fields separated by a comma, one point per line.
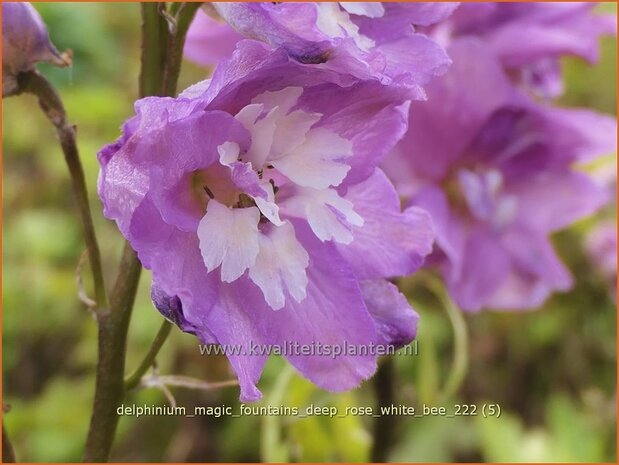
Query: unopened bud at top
x=25, y=42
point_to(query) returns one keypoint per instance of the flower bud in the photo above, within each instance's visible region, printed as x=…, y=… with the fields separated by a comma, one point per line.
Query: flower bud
x=25, y=42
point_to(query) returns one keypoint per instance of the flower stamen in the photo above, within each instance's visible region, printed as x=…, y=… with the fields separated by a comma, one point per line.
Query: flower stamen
x=208, y=191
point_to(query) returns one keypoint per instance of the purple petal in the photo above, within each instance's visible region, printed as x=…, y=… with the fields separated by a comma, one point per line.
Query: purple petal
x=485, y=265
x=200, y=304
x=291, y=25
x=171, y=308
x=232, y=323
x=373, y=124
x=399, y=16
x=209, y=41
x=566, y=197
x=216, y=312
x=535, y=274
x=533, y=253
x=552, y=30
x=255, y=68
x=333, y=313
x=448, y=228
x=390, y=242
x=325, y=37
x=559, y=30
x=396, y=322
x=581, y=135
x=414, y=60
x=467, y=111
x=122, y=186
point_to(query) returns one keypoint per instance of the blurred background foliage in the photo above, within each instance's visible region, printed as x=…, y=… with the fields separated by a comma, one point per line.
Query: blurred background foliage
x=553, y=371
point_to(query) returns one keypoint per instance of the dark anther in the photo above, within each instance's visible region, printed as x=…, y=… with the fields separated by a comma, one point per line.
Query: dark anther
x=245, y=201
x=313, y=59
x=275, y=188
x=209, y=192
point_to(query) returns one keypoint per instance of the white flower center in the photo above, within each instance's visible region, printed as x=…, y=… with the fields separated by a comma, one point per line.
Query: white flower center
x=290, y=169
x=485, y=197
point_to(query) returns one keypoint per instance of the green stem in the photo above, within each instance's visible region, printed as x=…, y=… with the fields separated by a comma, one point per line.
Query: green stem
x=272, y=443
x=50, y=102
x=134, y=378
x=154, y=40
x=460, y=363
x=183, y=14
x=109, y=386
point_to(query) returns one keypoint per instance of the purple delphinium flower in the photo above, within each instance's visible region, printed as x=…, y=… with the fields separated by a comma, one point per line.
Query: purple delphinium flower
x=494, y=169
x=25, y=42
x=529, y=39
x=256, y=201
x=368, y=40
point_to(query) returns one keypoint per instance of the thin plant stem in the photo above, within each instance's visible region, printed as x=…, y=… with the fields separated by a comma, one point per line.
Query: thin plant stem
x=183, y=16
x=50, y=102
x=187, y=382
x=154, y=40
x=272, y=443
x=109, y=384
x=460, y=362
x=164, y=382
x=133, y=380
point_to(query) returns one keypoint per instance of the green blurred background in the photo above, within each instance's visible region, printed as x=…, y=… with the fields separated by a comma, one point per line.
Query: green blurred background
x=553, y=371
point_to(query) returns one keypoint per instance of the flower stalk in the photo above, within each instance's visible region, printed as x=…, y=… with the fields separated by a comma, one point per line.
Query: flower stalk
x=50, y=102
x=183, y=14
x=460, y=362
x=109, y=385
x=133, y=380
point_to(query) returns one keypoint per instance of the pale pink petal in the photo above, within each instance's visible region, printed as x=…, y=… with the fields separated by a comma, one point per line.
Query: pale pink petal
x=369, y=9
x=319, y=208
x=280, y=266
x=229, y=237
x=317, y=162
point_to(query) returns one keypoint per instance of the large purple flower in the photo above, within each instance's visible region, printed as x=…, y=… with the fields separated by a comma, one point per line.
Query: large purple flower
x=368, y=40
x=25, y=42
x=255, y=200
x=495, y=170
x=530, y=38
